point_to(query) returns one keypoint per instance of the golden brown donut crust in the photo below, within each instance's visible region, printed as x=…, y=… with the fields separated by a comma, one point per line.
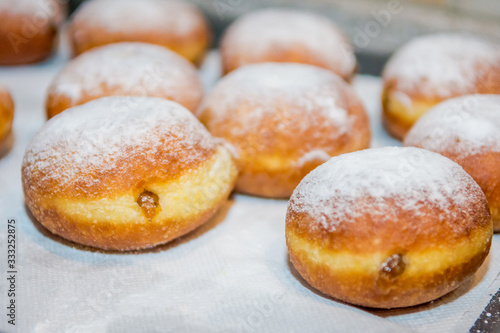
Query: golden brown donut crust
x=25, y=38
x=271, y=151
x=86, y=33
x=484, y=168
x=406, y=98
x=138, y=197
x=116, y=235
x=410, y=258
x=135, y=172
x=6, y=113
x=378, y=292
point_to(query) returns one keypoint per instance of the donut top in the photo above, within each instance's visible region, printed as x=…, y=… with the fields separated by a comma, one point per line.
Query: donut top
x=442, y=65
x=383, y=184
x=108, y=143
x=128, y=68
x=298, y=88
x=464, y=125
x=35, y=9
x=262, y=32
x=139, y=15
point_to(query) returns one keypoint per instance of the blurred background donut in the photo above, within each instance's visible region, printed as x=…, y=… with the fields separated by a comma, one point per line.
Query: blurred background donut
x=433, y=68
x=466, y=130
x=28, y=29
x=278, y=35
x=176, y=25
x=125, y=69
x=375, y=28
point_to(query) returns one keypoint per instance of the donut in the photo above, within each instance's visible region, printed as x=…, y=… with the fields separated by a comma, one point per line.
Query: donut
x=285, y=35
x=122, y=173
x=388, y=227
x=283, y=120
x=6, y=113
x=28, y=30
x=431, y=69
x=126, y=69
x=176, y=25
x=466, y=129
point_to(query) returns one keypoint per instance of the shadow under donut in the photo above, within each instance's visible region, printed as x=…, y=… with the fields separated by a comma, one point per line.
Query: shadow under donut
x=467, y=285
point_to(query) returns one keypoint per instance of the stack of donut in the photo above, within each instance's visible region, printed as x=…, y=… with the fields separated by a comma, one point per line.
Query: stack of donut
x=133, y=154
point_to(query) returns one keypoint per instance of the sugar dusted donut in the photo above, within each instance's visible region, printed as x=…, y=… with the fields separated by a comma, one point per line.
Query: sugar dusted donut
x=388, y=227
x=173, y=24
x=466, y=130
x=283, y=120
x=434, y=68
x=126, y=69
x=284, y=35
x=125, y=173
x=6, y=113
x=28, y=29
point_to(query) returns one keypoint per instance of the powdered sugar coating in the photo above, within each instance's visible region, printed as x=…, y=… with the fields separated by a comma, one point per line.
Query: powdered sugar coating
x=49, y=10
x=313, y=155
x=102, y=137
x=380, y=181
x=464, y=125
x=129, y=69
x=442, y=65
x=139, y=15
x=271, y=31
x=301, y=90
